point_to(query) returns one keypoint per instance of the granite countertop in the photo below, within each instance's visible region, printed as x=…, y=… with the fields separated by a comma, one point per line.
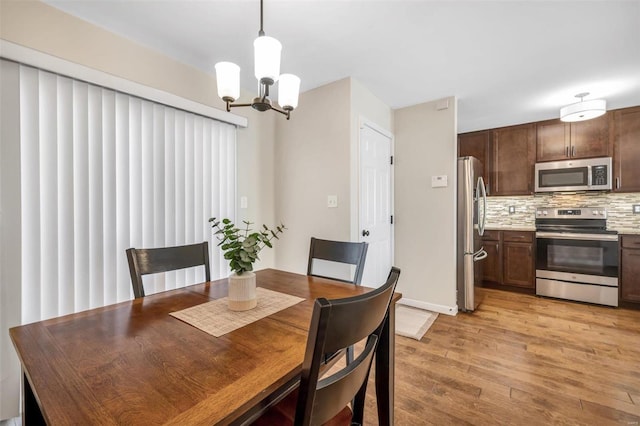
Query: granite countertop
x=512, y=228
x=630, y=231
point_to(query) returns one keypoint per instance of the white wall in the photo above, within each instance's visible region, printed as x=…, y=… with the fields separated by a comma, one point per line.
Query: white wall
x=425, y=146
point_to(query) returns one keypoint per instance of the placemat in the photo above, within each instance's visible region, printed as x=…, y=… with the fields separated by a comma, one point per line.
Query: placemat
x=216, y=319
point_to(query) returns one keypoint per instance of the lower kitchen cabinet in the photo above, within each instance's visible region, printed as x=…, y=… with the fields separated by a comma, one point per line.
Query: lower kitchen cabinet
x=492, y=265
x=630, y=268
x=510, y=259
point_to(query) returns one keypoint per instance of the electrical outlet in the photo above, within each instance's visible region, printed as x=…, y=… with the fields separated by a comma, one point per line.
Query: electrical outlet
x=512, y=209
x=332, y=201
x=636, y=209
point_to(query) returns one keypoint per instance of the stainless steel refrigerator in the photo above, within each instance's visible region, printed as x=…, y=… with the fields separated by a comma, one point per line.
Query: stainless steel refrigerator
x=472, y=207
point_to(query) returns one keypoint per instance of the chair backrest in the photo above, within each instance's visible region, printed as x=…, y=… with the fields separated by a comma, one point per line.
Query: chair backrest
x=155, y=260
x=335, y=325
x=338, y=251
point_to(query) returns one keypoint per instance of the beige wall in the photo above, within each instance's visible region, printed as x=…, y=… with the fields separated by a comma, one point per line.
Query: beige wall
x=312, y=162
x=43, y=28
x=316, y=156
x=425, y=146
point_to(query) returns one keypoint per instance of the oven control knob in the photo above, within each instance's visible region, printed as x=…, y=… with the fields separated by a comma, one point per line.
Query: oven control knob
x=544, y=212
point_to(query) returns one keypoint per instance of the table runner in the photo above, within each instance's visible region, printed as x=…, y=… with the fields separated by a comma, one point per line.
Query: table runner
x=216, y=319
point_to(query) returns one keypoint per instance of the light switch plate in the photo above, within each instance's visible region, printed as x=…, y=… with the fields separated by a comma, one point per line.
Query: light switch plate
x=636, y=209
x=439, y=181
x=332, y=201
x=244, y=202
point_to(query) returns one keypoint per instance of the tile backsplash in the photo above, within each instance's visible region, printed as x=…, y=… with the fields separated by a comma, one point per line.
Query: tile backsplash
x=619, y=208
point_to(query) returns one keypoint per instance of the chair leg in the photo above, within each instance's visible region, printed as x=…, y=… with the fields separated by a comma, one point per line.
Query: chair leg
x=357, y=405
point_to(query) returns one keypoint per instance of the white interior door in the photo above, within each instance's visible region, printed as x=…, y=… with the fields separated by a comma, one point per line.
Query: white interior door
x=376, y=204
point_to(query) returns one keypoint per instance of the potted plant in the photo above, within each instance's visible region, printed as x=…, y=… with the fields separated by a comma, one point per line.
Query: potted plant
x=241, y=247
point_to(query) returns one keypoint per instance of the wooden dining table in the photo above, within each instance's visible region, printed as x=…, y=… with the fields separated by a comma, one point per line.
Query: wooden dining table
x=132, y=363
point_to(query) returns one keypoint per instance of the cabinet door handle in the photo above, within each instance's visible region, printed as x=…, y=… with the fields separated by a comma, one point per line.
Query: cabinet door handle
x=573, y=151
x=566, y=152
x=617, y=183
x=497, y=247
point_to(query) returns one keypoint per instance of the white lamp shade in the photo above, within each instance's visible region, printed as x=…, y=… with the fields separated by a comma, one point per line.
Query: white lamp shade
x=228, y=80
x=267, y=58
x=288, y=90
x=581, y=111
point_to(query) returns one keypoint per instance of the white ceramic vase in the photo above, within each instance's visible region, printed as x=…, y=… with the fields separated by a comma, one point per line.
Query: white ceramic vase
x=242, y=291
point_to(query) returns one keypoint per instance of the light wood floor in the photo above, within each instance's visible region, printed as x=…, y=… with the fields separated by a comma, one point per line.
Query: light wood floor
x=520, y=360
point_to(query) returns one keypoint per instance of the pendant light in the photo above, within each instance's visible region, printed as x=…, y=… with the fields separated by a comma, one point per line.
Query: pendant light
x=267, y=70
x=583, y=110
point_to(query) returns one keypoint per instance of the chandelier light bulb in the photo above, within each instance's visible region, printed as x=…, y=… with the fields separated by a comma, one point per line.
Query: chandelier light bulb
x=228, y=80
x=288, y=91
x=267, y=52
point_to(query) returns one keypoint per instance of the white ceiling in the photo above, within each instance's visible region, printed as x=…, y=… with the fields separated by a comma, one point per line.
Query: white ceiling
x=507, y=62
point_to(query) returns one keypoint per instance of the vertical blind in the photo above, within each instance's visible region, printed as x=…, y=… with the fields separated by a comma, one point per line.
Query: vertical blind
x=104, y=171
x=85, y=173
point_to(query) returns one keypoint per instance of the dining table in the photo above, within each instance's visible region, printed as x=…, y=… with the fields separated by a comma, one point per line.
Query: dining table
x=135, y=363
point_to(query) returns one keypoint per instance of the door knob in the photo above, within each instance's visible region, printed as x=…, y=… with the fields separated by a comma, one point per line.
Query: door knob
x=365, y=233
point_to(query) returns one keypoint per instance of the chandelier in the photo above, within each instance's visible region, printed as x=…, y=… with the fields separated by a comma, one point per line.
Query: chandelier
x=267, y=71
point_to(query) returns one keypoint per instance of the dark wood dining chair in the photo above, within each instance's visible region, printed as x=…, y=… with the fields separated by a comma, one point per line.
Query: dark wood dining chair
x=340, y=252
x=155, y=260
x=335, y=325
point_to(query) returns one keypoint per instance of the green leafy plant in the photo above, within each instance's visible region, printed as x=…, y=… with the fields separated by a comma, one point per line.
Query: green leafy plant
x=242, y=245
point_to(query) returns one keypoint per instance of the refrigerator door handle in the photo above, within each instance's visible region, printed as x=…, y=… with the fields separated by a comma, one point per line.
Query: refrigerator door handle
x=480, y=254
x=481, y=220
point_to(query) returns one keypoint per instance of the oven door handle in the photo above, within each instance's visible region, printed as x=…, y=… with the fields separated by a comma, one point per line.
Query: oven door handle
x=574, y=236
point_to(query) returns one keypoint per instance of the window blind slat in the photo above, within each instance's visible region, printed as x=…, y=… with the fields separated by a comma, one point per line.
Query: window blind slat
x=81, y=244
x=159, y=239
x=30, y=178
x=170, y=188
x=96, y=191
x=123, y=226
x=48, y=194
x=66, y=295
x=109, y=206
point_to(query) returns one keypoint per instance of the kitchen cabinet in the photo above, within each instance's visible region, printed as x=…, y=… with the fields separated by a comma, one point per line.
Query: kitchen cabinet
x=630, y=268
x=557, y=140
x=626, y=150
x=513, y=159
x=477, y=144
x=510, y=259
x=492, y=265
x=518, y=262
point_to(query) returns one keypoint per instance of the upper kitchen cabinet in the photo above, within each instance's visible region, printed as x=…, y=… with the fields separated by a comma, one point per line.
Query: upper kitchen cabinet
x=514, y=153
x=557, y=140
x=477, y=144
x=626, y=155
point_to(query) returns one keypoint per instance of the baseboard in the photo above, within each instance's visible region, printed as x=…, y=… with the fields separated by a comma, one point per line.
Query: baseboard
x=442, y=309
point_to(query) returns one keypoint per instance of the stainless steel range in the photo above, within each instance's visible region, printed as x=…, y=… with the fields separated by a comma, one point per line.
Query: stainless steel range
x=577, y=257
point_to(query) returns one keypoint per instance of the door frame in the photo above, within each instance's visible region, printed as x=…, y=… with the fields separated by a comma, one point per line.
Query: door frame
x=355, y=181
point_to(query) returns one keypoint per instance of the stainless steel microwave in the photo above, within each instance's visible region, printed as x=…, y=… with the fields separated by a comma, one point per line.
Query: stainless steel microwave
x=591, y=174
